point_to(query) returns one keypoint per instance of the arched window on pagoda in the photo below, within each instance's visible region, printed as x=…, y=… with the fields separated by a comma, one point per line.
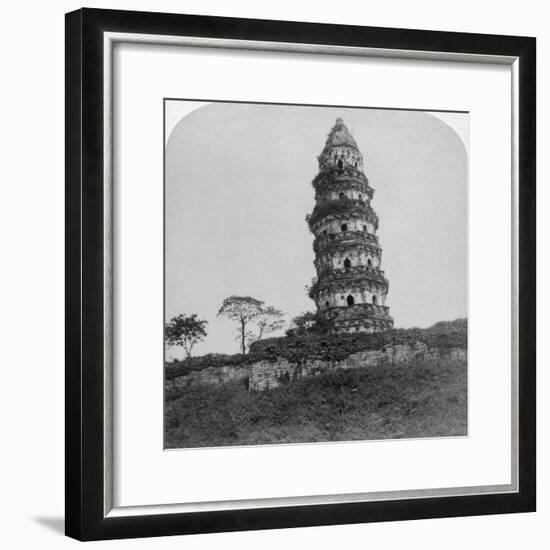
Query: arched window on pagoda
x=374, y=300
x=344, y=227
x=347, y=263
x=350, y=300
x=342, y=196
x=340, y=164
x=369, y=262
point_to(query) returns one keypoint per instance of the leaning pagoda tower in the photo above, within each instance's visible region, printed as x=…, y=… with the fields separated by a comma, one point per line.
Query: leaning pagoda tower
x=350, y=288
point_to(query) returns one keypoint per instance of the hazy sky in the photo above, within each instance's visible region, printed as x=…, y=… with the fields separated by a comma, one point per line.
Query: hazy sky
x=238, y=187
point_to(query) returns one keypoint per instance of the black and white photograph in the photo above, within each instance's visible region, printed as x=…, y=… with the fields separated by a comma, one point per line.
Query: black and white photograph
x=274, y=275
x=316, y=273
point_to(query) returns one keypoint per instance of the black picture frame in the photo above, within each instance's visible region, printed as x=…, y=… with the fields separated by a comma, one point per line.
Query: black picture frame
x=85, y=239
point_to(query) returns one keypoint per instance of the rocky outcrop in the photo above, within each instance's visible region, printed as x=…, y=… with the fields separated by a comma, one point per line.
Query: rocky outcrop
x=209, y=376
x=270, y=373
x=264, y=375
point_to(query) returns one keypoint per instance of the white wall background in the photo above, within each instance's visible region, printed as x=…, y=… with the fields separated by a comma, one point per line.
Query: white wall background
x=31, y=289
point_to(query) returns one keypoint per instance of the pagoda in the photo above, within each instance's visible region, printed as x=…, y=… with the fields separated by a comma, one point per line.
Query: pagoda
x=350, y=288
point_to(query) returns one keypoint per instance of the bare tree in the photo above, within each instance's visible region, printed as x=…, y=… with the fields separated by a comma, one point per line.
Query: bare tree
x=255, y=319
x=242, y=309
x=268, y=321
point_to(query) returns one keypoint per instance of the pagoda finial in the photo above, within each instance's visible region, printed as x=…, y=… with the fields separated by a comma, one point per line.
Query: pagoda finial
x=339, y=135
x=340, y=150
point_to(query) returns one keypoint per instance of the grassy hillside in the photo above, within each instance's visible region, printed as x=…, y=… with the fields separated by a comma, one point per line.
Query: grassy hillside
x=423, y=399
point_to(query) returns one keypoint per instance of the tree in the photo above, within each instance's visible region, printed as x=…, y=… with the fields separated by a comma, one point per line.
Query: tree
x=248, y=311
x=185, y=331
x=303, y=322
x=309, y=323
x=242, y=309
x=322, y=324
x=269, y=320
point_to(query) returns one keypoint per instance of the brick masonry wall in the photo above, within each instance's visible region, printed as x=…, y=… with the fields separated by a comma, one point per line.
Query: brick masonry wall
x=269, y=373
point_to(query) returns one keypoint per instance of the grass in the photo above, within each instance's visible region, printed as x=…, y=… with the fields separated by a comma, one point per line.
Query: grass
x=422, y=399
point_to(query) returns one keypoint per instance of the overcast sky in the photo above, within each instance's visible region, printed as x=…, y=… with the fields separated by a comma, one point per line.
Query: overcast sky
x=238, y=187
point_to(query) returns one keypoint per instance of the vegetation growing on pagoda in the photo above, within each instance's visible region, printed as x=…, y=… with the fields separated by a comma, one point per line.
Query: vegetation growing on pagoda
x=338, y=174
x=343, y=205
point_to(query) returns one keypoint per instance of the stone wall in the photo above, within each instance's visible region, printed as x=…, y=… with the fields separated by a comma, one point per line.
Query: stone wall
x=266, y=374
x=209, y=376
x=270, y=373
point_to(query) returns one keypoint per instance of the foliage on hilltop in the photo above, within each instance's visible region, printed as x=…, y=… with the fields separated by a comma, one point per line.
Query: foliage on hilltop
x=334, y=347
x=328, y=347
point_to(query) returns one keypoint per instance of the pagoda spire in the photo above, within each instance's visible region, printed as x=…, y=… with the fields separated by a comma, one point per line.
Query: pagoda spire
x=339, y=136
